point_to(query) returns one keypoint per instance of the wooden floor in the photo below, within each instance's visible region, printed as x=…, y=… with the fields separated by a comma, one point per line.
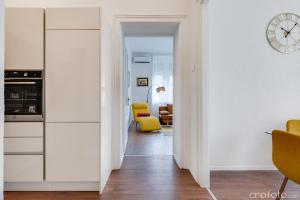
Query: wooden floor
x=150, y=144
x=152, y=178
x=241, y=185
x=51, y=196
x=140, y=178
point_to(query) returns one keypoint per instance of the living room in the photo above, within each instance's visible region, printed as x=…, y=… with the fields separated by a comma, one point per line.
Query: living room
x=149, y=107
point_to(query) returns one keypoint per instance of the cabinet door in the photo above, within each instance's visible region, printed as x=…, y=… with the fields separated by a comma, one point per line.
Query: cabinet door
x=23, y=129
x=24, y=38
x=72, y=152
x=23, y=145
x=72, y=18
x=72, y=76
x=23, y=168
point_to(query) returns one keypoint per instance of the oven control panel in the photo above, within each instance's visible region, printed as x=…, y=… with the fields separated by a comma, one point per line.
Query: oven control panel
x=23, y=74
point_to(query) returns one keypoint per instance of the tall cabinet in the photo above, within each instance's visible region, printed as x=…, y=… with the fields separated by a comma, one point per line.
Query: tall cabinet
x=24, y=50
x=72, y=83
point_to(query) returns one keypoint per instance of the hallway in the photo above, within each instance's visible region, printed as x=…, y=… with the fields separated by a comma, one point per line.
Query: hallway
x=148, y=178
x=150, y=172
x=150, y=144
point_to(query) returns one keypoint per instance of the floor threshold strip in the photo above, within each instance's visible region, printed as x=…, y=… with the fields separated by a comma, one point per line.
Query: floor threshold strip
x=211, y=194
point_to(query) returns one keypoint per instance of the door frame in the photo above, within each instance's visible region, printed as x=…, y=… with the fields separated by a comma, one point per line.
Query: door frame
x=179, y=143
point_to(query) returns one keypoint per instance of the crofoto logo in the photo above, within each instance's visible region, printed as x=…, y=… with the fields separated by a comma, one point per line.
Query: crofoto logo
x=267, y=195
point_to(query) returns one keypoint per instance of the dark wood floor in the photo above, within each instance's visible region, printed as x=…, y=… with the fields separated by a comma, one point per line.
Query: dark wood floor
x=152, y=178
x=140, y=178
x=240, y=185
x=149, y=144
x=51, y=196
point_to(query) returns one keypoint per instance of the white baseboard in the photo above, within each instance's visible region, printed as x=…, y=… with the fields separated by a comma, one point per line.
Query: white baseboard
x=244, y=168
x=52, y=186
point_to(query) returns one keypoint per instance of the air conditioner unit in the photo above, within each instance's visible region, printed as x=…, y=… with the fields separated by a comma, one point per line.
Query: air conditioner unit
x=142, y=59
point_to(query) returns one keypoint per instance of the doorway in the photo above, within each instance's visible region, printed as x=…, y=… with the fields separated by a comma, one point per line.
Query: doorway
x=145, y=28
x=148, y=79
x=175, y=27
x=159, y=26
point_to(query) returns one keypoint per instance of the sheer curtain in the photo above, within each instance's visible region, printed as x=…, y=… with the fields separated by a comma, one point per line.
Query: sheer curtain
x=162, y=76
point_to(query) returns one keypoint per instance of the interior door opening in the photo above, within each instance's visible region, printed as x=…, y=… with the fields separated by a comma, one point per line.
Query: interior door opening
x=149, y=60
x=148, y=86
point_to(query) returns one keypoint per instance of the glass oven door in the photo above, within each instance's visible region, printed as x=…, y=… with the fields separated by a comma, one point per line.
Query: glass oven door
x=23, y=100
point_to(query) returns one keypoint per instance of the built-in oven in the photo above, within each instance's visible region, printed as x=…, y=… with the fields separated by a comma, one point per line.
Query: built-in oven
x=23, y=95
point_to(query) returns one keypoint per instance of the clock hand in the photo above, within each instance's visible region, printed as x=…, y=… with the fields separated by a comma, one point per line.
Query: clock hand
x=291, y=30
x=285, y=32
x=283, y=29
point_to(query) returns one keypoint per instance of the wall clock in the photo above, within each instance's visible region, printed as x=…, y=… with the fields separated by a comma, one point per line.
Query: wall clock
x=283, y=33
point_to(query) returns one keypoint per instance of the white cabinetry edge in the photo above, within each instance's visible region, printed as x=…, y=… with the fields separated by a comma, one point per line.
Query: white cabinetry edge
x=52, y=186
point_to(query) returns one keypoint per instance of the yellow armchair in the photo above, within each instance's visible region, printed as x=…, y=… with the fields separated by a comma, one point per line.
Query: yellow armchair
x=139, y=108
x=286, y=155
x=142, y=116
x=293, y=126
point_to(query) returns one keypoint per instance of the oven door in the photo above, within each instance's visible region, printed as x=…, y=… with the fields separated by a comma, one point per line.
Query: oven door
x=23, y=100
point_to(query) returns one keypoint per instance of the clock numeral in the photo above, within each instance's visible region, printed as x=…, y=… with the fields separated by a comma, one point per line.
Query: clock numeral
x=271, y=33
x=272, y=27
x=275, y=22
x=282, y=17
x=273, y=39
x=276, y=44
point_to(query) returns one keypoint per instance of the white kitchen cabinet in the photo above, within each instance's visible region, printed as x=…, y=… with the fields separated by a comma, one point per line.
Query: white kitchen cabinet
x=24, y=38
x=72, y=152
x=23, y=145
x=23, y=129
x=23, y=168
x=73, y=18
x=73, y=76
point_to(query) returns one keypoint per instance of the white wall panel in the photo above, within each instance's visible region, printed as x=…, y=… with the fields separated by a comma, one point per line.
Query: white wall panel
x=253, y=88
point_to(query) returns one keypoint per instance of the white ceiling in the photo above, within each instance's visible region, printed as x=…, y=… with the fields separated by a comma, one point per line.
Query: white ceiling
x=152, y=45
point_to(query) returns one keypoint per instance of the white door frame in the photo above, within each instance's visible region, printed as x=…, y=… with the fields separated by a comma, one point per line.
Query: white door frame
x=117, y=152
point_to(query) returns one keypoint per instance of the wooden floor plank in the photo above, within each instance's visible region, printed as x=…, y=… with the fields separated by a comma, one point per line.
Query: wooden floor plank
x=149, y=144
x=155, y=178
x=242, y=185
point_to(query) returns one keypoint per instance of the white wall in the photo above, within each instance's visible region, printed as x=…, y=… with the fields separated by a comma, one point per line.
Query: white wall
x=139, y=94
x=1, y=95
x=252, y=87
x=106, y=94
x=130, y=86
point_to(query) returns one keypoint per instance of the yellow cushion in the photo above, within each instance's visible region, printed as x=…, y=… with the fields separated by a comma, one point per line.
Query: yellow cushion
x=286, y=154
x=139, y=108
x=293, y=126
x=149, y=123
x=139, y=105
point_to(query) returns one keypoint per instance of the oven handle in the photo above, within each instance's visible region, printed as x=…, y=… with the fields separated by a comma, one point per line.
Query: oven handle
x=20, y=83
x=11, y=79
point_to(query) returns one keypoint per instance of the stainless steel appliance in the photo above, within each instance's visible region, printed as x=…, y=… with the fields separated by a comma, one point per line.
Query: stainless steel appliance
x=23, y=95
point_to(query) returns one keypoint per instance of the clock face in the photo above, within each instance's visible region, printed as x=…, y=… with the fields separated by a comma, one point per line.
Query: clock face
x=283, y=33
